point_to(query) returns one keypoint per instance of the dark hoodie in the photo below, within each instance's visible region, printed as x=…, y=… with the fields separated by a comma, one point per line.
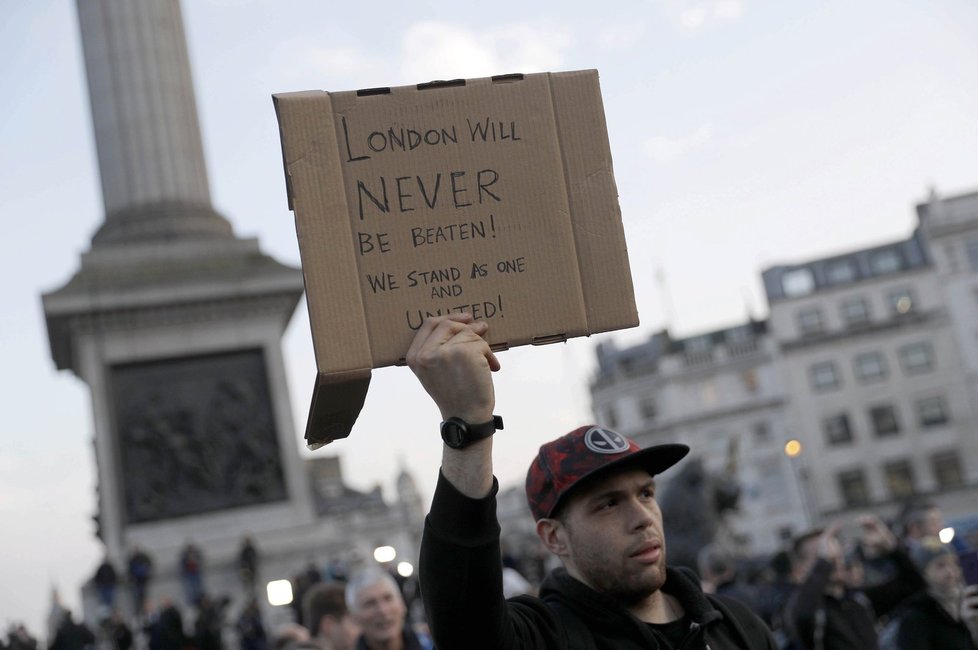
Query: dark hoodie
x=461, y=583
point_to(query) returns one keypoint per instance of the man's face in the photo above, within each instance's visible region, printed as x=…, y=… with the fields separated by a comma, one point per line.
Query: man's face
x=380, y=612
x=612, y=531
x=809, y=555
x=341, y=634
x=943, y=574
x=933, y=521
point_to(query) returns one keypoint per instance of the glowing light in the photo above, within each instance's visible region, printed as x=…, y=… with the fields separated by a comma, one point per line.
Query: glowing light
x=279, y=592
x=405, y=569
x=946, y=535
x=792, y=448
x=385, y=554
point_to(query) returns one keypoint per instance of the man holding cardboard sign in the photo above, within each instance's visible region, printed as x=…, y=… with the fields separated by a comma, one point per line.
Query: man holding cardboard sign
x=593, y=495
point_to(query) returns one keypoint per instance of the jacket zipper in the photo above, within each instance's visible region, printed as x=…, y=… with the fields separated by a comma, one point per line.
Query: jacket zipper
x=693, y=629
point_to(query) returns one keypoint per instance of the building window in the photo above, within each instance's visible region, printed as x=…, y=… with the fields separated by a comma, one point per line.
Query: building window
x=932, y=411
x=751, y=382
x=855, y=312
x=762, y=431
x=649, y=408
x=885, y=261
x=971, y=248
x=900, y=301
x=870, y=366
x=837, y=430
x=853, y=489
x=917, y=357
x=824, y=376
x=899, y=478
x=810, y=321
x=947, y=470
x=708, y=392
x=799, y=282
x=884, y=420
x=840, y=272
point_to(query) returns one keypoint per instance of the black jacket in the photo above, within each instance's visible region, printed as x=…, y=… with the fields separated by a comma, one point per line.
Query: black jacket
x=923, y=624
x=821, y=622
x=461, y=584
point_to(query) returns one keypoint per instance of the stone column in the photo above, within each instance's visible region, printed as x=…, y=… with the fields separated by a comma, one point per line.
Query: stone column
x=150, y=155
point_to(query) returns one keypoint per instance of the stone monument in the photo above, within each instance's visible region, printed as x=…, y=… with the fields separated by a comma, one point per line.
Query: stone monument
x=175, y=325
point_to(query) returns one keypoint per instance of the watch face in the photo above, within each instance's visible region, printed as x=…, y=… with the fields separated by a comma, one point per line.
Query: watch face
x=453, y=434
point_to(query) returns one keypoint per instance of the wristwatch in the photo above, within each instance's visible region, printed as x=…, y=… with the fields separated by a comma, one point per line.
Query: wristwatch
x=457, y=433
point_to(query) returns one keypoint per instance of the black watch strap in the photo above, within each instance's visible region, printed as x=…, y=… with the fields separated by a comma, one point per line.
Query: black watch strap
x=457, y=433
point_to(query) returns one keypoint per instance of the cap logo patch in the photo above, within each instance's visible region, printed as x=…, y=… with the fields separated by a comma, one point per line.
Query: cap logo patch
x=605, y=441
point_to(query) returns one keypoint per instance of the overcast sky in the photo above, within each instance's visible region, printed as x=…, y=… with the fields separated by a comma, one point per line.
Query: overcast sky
x=744, y=134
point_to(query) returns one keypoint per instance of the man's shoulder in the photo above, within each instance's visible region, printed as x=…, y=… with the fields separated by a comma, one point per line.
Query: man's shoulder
x=741, y=617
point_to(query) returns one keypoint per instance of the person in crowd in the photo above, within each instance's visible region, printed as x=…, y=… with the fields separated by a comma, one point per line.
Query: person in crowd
x=925, y=519
x=115, y=631
x=140, y=573
x=18, y=638
x=822, y=613
x=292, y=636
x=251, y=629
x=192, y=573
x=165, y=628
x=377, y=607
x=105, y=581
x=944, y=615
x=210, y=620
x=718, y=572
x=592, y=494
x=328, y=618
x=72, y=635
x=248, y=564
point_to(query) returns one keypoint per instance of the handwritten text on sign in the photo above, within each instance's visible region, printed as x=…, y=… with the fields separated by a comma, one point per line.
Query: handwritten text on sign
x=480, y=189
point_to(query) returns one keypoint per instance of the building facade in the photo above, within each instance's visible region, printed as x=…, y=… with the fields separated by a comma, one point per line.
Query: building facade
x=867, y=365
x=719, y=393
x=875, y=354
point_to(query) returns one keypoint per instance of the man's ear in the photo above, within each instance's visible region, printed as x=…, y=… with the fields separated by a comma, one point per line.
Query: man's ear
x=553, y=534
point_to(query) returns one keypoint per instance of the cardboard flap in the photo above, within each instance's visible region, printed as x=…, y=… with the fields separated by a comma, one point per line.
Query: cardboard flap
x=337, y=399
x=599, y=235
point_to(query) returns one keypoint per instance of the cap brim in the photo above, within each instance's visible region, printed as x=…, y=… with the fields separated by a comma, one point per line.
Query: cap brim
x=655, y=460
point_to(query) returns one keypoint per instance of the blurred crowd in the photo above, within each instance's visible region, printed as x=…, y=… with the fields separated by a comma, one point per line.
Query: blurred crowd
x=859, y=584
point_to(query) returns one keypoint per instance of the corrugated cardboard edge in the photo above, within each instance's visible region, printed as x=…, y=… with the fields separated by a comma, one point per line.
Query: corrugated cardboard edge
x=313, y=164
x=337, y=399
x=609, y=296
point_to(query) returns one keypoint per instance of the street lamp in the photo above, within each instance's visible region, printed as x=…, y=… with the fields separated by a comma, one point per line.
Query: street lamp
x=385, y=554
x=405, y=569
x=793, y=449
x=279, y=593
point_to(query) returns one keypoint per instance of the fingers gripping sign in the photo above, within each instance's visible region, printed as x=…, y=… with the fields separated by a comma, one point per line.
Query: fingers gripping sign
x=454, y=364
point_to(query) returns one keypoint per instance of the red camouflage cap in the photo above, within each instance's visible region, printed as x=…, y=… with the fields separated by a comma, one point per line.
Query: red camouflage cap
x=584, y=452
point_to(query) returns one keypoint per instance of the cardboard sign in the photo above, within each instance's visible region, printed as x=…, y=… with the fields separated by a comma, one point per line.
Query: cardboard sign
x=494, y=196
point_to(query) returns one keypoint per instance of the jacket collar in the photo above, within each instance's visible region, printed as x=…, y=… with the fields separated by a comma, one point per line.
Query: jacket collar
x=680, y=583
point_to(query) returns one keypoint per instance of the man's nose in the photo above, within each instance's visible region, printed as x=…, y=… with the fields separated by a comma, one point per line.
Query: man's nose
x=641, y=514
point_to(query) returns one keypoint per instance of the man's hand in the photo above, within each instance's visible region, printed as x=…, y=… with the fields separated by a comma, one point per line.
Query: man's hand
x=876, y=535
x=453, y=363
x=828, y=543
x=969, y=609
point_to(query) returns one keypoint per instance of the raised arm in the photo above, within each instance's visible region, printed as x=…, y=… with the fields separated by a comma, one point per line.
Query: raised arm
x=454, y=364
